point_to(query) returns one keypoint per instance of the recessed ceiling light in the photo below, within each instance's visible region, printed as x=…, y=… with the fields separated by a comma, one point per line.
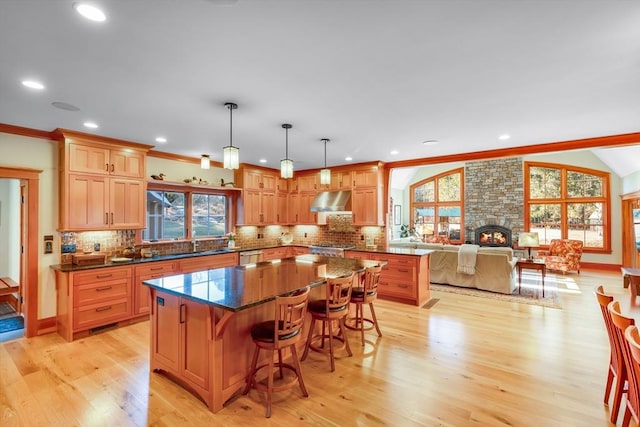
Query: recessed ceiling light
x=32, y=84
x=504, y=137
x=161, y=139
x=430, y=142
x=91, y=125
x=348, y=158
x=90, y=12
x=263, y=160
x=394, y=152
x=65, y=106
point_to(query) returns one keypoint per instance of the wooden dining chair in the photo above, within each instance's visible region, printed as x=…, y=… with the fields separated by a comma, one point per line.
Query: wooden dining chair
x=365, y=294
x=285, y=331
x=333, y=309
x=616, y=369
x=633, y=395
x=620, y=324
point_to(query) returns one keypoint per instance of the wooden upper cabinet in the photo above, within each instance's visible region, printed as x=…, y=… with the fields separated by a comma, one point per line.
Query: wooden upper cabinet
x=102, y=182
x=85, y=158
x=258, y=179
x=282, y=185
x=308, y=183
x=341, y=181
x=366, y=178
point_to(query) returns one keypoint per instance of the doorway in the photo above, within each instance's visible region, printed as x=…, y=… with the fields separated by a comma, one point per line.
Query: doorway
x=11, y=260
x=27, y=246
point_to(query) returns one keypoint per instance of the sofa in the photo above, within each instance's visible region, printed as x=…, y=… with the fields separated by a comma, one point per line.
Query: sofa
x=563, y=255
x=494, y=271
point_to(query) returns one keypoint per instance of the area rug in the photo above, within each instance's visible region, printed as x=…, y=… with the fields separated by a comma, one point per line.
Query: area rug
x=11, y=324
x=531, y=291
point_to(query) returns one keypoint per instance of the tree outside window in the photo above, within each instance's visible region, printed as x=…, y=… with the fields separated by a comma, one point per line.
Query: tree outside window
x=569, y=203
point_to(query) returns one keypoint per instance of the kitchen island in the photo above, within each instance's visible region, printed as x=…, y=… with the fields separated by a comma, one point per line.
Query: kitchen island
x=201, y=321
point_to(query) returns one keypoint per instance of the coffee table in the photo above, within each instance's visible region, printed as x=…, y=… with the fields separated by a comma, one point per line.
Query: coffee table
x=531, y=264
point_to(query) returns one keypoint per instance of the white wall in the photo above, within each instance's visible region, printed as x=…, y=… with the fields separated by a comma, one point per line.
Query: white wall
x=10, y=228
x=631, y=182
x=34, y=153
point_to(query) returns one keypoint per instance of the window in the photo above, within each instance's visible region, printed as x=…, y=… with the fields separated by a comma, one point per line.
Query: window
x=437, y=206
x=208, y=215
x=185, y=214
x=565, y=202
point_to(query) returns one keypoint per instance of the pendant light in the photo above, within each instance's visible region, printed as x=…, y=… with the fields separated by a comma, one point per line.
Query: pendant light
x=205, y=161
x=231, y=154
x=325, y=174
x=286, y=164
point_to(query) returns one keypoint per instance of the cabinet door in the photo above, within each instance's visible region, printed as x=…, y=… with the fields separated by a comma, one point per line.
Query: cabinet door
x=166, y=329
x=88, y=159
x=251, y=179
x=251, y=207
x=141, y=293
x=126, y=163
x=269, y=181
x=282, y=185
x=304, y=208
x=308, y=182
x=88, y=202
x=293, y=203
x=365, y=206
x=282, y=206
x=365, y=178
x=340, y=181
x=268, y=208
x=126, y=203
x=196, y=328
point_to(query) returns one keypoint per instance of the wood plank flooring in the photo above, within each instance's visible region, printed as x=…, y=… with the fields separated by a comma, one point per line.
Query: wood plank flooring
x=465, y=361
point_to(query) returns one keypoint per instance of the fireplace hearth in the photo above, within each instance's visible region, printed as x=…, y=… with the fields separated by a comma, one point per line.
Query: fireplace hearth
x=493, y=235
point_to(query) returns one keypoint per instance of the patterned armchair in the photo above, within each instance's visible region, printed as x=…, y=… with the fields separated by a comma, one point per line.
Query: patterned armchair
x=563, y=255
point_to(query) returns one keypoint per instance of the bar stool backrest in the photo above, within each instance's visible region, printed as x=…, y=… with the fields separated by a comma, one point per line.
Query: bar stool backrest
x=289, y=319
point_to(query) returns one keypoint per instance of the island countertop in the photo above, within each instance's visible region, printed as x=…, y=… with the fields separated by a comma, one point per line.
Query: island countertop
x=240, y=287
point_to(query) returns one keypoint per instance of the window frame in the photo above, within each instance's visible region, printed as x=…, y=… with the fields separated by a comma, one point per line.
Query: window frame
x=436, y=204
x=189, y=191
x=564, y=200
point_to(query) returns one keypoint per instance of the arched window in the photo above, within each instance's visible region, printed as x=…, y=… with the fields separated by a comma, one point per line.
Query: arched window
x=437, y=206
x=568, y=202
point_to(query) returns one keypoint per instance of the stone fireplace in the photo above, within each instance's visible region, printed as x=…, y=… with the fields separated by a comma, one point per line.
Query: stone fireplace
x=493, y=235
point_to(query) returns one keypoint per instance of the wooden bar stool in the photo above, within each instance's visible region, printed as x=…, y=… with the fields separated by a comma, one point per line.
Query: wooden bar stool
x=620, y=324
x=332, y=309
x=282, y=332
x=365, y=293
x=617, y=370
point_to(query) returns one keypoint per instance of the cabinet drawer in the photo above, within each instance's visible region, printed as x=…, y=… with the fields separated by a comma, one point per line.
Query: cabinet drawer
x=394, y=287
x=356, y=255
x=395, y=261
x=155, y=268
x=101, y=274
x=190, y=265
x=101, y=314
x=93, y=293
x=408, y=274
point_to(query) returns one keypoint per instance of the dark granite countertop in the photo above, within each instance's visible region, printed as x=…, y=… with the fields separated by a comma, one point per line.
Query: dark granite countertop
x=240, y=287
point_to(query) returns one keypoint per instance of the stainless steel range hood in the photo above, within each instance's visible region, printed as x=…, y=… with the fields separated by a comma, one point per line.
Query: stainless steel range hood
x=332, y=201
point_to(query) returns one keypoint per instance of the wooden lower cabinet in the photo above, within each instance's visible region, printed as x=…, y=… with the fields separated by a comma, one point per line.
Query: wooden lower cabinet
x=141, y=295
x=180, y=340
x=189, y=265
x=404, y=278
x=90, y=299
x=280, y=252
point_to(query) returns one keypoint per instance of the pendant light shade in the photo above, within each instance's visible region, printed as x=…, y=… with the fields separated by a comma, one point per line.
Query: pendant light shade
x=231, y=154
x=325, y=174
x=286, y=164
x=205, y=162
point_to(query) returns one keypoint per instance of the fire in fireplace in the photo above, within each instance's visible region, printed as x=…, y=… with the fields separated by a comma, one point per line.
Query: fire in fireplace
x=493, y=235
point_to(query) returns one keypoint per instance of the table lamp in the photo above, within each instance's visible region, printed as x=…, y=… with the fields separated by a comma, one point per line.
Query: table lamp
x=528, y=240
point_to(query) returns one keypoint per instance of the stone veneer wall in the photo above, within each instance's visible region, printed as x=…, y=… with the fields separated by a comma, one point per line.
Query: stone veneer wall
x=494, y=194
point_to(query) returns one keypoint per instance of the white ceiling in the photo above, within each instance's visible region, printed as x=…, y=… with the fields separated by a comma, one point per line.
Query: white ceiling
x=371, y=75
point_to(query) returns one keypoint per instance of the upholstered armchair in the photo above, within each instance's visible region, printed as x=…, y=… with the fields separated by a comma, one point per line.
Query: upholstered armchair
x=563, y=255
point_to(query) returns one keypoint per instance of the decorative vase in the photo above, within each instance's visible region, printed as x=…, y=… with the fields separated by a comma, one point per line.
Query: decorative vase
x=231, y=244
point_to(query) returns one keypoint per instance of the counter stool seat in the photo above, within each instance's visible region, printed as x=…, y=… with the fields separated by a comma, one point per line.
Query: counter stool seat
x=365, y=294
x=333, y=309
x=285, y=331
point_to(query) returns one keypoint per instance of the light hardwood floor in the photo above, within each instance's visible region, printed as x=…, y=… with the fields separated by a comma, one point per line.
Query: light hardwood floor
x=467, y=361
